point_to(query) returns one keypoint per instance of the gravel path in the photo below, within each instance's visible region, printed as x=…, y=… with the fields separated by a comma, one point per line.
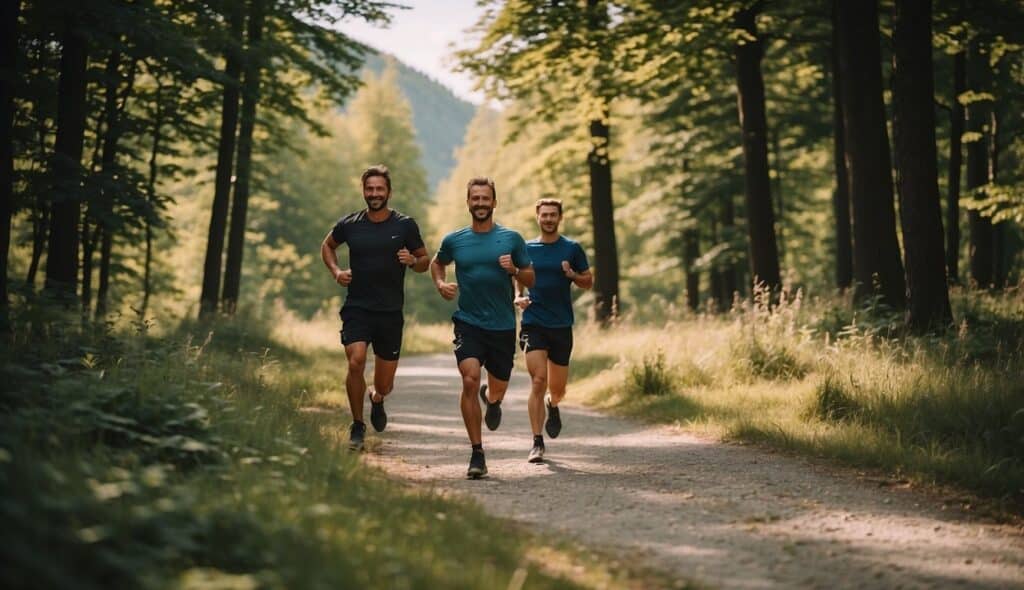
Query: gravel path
x=722, y=515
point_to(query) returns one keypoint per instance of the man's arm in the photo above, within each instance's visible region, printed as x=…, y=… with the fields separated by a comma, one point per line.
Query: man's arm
x=329, y=254
x=522, y=299
x=417, y=260
x=583, y=280
x=439, y=273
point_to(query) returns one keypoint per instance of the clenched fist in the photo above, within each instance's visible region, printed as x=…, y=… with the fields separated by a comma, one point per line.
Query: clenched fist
x=447, y=290
x=343, y=277
x=505, y=260
x=522, y=302
x=406, y=257
x=569, y=272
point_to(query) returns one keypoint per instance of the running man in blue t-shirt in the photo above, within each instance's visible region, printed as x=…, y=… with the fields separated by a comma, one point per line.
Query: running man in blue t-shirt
x=546, y=335
x=487, y=256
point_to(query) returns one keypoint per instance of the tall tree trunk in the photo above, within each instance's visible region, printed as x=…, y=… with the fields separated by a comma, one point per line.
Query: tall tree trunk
x=780, y=208
x=727, y=271
x=877, y=267
x=89, y=235
x=691, y=251
x=841, y=194
x=606, y=263
x=8, y=63
x=917, y=168
x=715, y=276
x=999, y=246
x=40, y=231
x=764, y=254
x=978, y=119
x=103, y=292
x=225, y=157
x=62, y=251
x=240, y=202
x=110, y=170
x=158, y=121
x=99, y=208
x=956, y=158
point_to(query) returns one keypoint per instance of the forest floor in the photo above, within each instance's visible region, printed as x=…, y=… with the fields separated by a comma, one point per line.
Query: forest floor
x=711, y=513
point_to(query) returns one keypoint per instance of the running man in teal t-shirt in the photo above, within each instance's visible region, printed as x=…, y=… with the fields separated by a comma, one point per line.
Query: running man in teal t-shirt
x=487, y=257
x=546, y=335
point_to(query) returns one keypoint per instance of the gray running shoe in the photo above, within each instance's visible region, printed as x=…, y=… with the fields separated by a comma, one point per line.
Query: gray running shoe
x=536, y=454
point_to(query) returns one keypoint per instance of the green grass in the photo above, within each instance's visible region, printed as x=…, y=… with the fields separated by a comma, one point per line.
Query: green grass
x=187, y=461
x=819, y=379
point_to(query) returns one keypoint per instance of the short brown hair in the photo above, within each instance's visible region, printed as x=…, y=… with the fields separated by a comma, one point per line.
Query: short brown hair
x=552, y=202
x=377, y=170
x=482, y=181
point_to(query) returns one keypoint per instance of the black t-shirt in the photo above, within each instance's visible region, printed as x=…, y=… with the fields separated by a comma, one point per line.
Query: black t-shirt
x=377, y=275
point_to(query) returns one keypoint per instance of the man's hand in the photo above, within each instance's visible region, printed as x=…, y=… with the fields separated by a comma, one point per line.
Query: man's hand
x=522, y=302
x=569, y=272
x=447, y=290
x=505, y=260
x=406, y=257
x=343, y=277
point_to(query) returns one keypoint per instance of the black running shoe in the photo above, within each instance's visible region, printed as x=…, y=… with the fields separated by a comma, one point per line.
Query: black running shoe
x=378, y=417
x=554, y=423
x=477, y=465
x=356, y=436
x=492, y=417
x=536, y=454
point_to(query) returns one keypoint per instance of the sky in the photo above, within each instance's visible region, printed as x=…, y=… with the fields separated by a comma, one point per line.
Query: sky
x=420, y=37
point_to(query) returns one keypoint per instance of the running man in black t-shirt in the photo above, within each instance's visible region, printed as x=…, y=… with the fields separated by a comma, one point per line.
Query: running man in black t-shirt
x=382, y=243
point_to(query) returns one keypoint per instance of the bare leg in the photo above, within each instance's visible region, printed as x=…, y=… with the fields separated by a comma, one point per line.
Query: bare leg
x=469, y=402
x=496, y=388
x=558, y=377
x=537, y=365
x=355, y=382
x=383, y=377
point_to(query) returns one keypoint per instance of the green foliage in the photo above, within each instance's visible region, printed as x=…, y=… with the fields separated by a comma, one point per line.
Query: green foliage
x=650, y=376
x=153, y=462
x=440, y=117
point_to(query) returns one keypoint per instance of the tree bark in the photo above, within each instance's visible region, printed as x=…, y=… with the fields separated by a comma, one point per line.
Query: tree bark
x=978, y=115
x=877, y=267
x=158, y=121
x=727, y=271
x=8, y=63
x=109, y=161
x=764, y=254
x=999, y=245
x=602, y=209
x=956, y=132
x=691, y=251
x=240, y=202
x=841, y=194
x=225, y=158
x=917, y=168
x=62, y=250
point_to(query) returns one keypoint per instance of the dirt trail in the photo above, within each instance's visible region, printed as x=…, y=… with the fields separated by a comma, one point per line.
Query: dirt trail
x=719, y=514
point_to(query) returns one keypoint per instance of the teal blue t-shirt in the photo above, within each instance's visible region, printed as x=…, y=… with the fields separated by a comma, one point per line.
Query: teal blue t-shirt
x=550, y=297
x=485, y=289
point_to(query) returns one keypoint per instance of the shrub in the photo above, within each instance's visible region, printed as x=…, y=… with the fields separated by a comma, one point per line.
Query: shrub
x=651, y=377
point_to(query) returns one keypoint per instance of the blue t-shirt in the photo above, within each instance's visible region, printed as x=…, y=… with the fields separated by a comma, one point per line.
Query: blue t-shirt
x=485, y=289
x=550, y=297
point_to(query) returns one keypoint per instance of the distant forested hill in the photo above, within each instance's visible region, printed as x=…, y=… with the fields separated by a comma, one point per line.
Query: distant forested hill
x=439, y=116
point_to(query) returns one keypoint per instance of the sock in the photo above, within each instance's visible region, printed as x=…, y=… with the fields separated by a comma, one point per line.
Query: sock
x=478, y=447
x=538, y=439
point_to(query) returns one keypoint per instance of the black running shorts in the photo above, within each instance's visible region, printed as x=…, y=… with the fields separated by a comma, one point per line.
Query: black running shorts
x=557, y=341
x=495, y=349
x=380, y=329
